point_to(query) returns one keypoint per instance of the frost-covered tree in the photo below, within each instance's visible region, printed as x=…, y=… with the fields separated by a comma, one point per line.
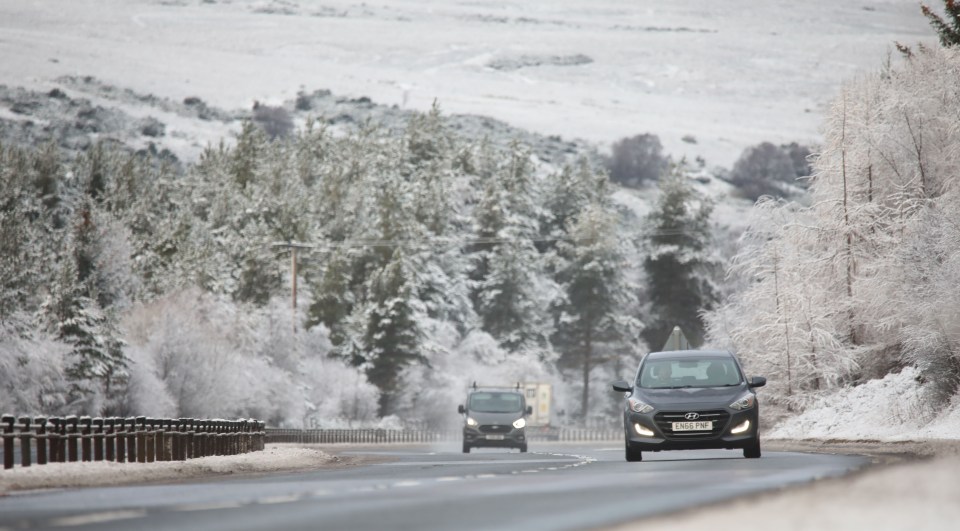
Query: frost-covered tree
x=507, y=296
x=680, y=262
x=596, y=321
x=858, y=284
x=392, y=337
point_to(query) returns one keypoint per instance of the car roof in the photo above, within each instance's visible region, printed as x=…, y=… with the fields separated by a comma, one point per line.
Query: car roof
x=682, y=354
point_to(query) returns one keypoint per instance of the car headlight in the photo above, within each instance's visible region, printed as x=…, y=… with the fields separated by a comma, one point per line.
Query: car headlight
x=642, y=430
x=746, y=401
x=639, y=407
x=520, y=423
x=471, y=421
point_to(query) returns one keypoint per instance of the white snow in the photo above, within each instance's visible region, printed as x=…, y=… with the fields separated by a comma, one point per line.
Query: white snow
x=275, y=458
x=908, y=496
x=730, y=73
x=894, y=408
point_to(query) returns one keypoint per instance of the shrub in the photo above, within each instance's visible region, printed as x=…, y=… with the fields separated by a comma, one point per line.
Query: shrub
x=766, y=169
x=275, y=121
x=637, y=159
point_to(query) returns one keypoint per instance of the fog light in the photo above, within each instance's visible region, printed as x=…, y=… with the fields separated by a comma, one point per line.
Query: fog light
x=642, y=431
x=744, y=426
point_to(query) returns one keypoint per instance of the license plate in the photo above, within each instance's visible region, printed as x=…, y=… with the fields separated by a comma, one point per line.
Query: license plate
x=494, y=437
x=703, y=425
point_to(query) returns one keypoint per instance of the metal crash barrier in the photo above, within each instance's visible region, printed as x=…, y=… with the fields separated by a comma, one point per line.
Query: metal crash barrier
x=43, y=440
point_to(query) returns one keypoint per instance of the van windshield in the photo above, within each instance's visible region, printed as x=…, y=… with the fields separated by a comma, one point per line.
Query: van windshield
x=674, y=374
x=494, y=402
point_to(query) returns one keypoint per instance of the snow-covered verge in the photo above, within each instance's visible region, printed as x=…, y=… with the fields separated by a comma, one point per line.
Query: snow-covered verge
x=894, y=408
x=275, y=458
x=914, y=495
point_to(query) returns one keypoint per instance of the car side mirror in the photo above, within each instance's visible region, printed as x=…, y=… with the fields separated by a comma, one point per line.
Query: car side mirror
x=622, y=386
x=461, y=410
x=528, y=411
x=757, y=381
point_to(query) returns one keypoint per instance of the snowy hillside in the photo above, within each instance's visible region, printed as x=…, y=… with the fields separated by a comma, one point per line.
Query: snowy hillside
x=726, y=74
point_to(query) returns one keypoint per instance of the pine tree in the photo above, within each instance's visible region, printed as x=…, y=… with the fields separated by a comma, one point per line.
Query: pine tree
x=594, y=321
x=97, y=365
x=948, y=29
x=679, y=262
x=506, y=264
x=392, y=336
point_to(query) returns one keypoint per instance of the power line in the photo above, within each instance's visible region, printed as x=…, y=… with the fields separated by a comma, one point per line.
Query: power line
x=466, y=242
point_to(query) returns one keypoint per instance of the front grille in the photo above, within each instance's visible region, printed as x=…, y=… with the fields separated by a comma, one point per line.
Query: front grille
x=666, y=419
x=494, y=428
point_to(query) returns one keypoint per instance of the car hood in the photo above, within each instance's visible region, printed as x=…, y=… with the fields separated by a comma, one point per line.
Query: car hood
x=495, y=418
x=711, y=397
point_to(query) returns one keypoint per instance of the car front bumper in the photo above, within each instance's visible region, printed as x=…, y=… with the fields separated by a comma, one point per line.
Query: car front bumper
x=663, y=439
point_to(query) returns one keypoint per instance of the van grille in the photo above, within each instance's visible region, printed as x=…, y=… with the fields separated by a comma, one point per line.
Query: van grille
x=494, y=428
x=666, y=419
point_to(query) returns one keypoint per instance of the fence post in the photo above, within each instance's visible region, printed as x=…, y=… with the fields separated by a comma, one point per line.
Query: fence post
x=98, y=439
x=55, y=436
x=140, y=431
x=7, y=421
x=72, y=436
x=110, y=439
x=41, y=423
x=25, y=456
x=85, y=441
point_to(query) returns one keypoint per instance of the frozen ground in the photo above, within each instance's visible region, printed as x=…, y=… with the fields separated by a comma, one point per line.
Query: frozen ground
x=275, y=458
x=915, y=495
x=852, y=414
x=729, y=73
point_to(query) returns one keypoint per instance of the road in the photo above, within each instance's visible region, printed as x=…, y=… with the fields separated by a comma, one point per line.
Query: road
x=553, y=486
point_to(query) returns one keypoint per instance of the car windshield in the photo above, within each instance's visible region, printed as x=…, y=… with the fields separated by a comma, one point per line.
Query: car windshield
x=679, y=373
x=494, y=402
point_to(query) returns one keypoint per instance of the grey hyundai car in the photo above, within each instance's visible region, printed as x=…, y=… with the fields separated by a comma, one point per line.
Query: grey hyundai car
x=690, y=399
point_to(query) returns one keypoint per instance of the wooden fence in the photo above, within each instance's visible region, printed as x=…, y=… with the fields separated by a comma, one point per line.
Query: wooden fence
x=133, y=439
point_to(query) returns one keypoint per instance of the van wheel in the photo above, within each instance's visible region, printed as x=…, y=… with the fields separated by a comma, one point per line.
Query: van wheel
x=523, y=449
x=466, y=448
x=633, y=455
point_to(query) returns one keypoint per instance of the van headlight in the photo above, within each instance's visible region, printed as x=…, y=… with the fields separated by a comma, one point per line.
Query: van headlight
x=746, y=401
x=520, y=423
x=471, y=421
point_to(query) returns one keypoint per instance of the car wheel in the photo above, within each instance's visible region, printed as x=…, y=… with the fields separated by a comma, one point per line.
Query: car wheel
x=466, y=448
x=752, y=451
x=523, y=449
x=633, y=455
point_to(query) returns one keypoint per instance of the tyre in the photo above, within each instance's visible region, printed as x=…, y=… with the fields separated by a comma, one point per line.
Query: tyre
x=753, y=450
x=633, y=455
x=466, y=448
x=523, y=449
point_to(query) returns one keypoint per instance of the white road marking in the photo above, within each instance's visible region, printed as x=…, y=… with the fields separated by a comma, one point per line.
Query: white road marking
x=485, y=476
x=447, y=478
x=273, y=500
x=207, y=506
x=407, y=484
x=96, y=518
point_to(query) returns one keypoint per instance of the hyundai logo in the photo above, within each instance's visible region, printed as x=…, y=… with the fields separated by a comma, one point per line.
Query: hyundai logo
x=692, y=416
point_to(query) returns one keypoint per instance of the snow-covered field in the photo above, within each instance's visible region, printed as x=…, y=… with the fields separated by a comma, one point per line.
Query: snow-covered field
x=728, y=73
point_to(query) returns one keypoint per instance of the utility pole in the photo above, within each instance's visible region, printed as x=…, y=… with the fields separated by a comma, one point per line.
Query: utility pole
x=293, y=246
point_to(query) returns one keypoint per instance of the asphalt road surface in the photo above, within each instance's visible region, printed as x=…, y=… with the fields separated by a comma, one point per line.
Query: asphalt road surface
x=554, y=486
